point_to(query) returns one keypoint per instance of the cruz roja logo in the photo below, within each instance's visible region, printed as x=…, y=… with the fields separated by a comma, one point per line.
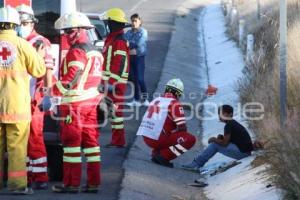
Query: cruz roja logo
x=153, y=109
x=7, y=54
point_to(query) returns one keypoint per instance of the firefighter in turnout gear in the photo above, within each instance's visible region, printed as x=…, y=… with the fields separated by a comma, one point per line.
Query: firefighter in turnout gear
x=37, y=155
x=115, y=70
x=18, y=60
x=80, y=76
x=164, y=126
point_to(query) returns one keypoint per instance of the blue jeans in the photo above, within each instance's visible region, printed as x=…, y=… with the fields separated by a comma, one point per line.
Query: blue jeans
x=231, y=150
x=137, y=66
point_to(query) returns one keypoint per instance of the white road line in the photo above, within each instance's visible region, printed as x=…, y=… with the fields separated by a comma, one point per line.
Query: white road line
x=137, y=5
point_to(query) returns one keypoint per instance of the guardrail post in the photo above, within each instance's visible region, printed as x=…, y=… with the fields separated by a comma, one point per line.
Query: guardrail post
x=234, y=14
x=67, y=6
x=250, y=47
x=241, y=31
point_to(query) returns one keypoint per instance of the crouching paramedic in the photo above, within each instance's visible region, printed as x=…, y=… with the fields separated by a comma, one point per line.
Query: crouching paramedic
x=37, y=169
x=18, y=60
x=80, y=75
x=164, y=126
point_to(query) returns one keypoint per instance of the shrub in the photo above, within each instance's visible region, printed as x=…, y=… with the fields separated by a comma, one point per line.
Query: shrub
x=261, y=84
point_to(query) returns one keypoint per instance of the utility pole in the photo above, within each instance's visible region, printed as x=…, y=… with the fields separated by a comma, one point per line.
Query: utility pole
x=258, y=9
x=67, y=6
x=283, y=62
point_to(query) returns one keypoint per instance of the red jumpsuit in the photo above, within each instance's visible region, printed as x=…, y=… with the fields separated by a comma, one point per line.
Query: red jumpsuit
x=171, y=142
x=116, y=68
x=37, y=155
x=80, y=76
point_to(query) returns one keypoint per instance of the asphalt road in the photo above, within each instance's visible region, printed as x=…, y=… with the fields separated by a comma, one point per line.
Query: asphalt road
x=158, y=19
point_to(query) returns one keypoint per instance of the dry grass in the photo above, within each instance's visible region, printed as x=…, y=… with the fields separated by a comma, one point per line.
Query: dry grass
x=261, y=84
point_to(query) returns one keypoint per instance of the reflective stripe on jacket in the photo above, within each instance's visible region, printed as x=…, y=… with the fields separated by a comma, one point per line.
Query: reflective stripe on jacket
x=80, y=77
x=116, y=58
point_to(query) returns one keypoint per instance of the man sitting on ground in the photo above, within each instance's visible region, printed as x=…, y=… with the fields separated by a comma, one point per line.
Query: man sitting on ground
x=235, y=143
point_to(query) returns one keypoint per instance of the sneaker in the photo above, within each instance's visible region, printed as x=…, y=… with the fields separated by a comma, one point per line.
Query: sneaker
x=199, y=183
x=134, y=103
x=41, y=186
x=89, y=189
x=114, y=146
x=146, y=103
x=158, y=159
x=64, y=189
x=193, y=166
x=23, y=191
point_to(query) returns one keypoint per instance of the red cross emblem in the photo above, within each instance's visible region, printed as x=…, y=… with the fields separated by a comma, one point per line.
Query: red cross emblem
x=5, y=53
x=153, y=109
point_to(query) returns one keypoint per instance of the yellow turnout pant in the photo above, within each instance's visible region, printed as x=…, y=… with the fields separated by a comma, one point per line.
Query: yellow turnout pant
x=14, y=139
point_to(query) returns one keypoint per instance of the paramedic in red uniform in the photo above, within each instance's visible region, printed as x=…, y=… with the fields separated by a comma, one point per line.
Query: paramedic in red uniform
x=164, y=126
x=37, y=166
x=115, y=71
x=80, y=76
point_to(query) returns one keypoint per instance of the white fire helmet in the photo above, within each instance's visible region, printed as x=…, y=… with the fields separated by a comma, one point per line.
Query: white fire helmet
x=26, y=14
x=73, y=20
x=175, y=84
x=25, y=9
x=9, y=15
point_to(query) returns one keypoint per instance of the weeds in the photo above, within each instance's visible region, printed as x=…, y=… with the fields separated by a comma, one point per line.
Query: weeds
x=261, y=84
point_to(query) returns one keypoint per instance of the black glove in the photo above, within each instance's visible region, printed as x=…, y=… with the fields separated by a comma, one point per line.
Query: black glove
x=101, y=88
x=108, y=101
x=46, y=104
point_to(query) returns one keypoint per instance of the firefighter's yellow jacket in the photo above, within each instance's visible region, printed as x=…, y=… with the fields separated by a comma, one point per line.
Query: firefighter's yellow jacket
x=18, y=60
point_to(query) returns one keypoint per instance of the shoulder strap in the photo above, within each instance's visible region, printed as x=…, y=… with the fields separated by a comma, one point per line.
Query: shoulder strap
x=120, y=37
